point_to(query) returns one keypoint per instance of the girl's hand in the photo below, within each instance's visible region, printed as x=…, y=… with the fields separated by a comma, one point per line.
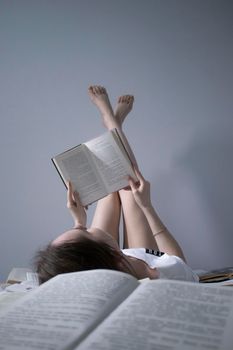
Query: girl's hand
x=141, y=190
x=75, y=207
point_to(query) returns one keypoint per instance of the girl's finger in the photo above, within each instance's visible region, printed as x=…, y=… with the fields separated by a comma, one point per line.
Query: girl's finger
x=69, y=192
x=132, y=184
x=76, y=197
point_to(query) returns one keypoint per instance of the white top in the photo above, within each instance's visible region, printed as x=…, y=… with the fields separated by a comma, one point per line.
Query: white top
x=168, y=266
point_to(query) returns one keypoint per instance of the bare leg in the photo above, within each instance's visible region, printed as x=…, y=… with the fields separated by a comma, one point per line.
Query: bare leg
x=108, y=210
x=135, y=223
x=99, y=97
x=137, y=231
x=107, y=215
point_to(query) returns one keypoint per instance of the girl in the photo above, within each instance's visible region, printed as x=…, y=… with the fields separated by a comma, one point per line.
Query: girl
x=150, y=251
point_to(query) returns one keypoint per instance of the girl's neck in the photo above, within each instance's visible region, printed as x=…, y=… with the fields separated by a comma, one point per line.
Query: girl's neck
x=142, y=269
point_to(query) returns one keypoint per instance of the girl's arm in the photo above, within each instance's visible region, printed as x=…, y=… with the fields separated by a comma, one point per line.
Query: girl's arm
x=164, y=239
x=77, y=211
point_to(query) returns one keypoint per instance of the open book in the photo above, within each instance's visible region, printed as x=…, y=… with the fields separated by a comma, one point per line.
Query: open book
x=97, y=167
x=18, y=274
x=110, y=310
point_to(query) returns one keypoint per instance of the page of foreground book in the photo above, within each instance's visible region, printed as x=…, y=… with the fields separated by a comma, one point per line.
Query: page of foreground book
x=171, y=315
x=58, y=314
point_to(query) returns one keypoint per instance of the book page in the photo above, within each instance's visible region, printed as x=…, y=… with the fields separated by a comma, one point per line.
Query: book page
x=111, y=160
x=77, y=166
x=60, y=312
x=6, y=299
x=168, y=315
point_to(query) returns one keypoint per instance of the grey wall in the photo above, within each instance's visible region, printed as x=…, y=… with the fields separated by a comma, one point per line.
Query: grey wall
x=176, y=57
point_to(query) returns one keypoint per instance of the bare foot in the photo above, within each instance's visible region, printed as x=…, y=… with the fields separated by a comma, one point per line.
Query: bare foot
x=99, y=97
x=123, y=107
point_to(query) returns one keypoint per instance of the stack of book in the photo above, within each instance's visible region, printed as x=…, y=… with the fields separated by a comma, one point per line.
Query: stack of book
x=223, y=276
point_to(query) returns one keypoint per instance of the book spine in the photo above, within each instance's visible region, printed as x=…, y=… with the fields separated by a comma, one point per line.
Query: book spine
x=59, y=173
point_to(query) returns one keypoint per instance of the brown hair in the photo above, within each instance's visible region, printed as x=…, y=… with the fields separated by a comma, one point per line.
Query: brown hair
x=78, y=255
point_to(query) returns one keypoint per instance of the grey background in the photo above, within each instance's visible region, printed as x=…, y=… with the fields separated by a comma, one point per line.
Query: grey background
x=175, y=57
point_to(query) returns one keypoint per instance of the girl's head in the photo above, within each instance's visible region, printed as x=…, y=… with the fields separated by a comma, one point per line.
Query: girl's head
x=79, y=252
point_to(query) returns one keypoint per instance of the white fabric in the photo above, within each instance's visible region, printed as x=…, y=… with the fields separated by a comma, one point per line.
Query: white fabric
x=169, y=266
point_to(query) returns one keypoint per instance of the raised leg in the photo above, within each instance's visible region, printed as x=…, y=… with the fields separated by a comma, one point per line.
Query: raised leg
x=137, y=231
x=99, y=97
x=107, y=215
x=108, y=209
